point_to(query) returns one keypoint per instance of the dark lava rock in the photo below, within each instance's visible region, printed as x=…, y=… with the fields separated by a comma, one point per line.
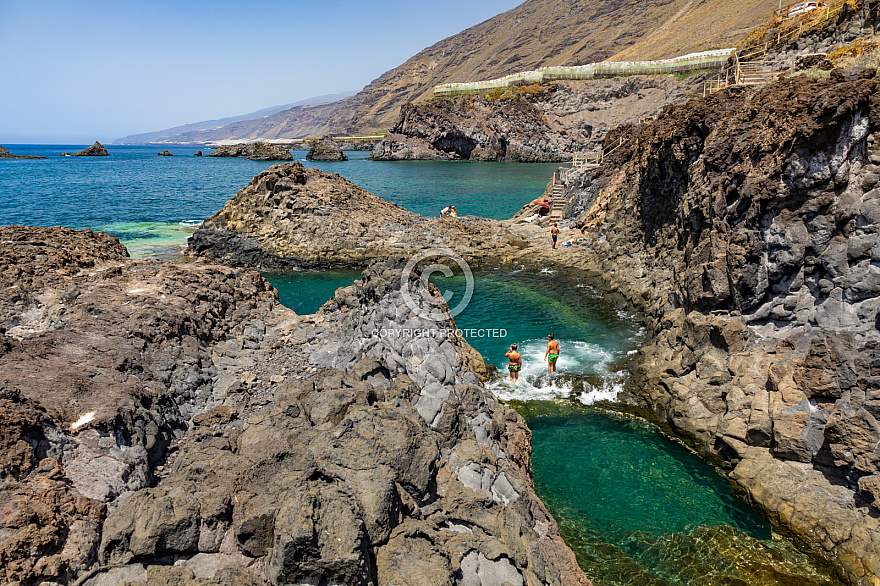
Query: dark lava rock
x=325, y=150
x=290, y=216
x=254, y=151
x=198, y=154
x=165, y=153
x=4, y=154
x=96, y=150
x=745, y=224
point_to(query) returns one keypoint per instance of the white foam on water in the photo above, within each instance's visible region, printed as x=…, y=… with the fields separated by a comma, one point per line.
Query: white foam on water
x=576, y=358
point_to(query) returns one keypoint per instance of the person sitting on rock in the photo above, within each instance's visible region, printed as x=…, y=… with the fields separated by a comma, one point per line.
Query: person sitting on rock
x=449, y=211
x=515, y=363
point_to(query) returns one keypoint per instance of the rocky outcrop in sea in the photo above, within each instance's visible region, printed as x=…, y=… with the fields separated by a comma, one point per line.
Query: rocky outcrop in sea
x=746, y=226
x=254, y=151
x=5, y=154
x=198, y=154
x=173, y=423
x=325, y=149
x=293, y=217
x=165, y=153
x=96, y=150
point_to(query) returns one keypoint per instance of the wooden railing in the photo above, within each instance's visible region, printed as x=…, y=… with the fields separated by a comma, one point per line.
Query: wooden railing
x=594, y=159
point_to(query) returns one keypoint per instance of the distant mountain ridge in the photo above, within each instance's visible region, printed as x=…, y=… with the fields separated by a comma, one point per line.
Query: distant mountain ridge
x=172, y=134
x=534, y=34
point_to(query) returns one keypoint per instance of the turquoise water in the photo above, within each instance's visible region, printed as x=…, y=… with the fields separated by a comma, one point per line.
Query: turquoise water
x=637, y=508
x=141, y=198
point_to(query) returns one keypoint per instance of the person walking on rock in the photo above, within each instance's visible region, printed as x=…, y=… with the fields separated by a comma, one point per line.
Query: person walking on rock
x=515, y=363
x=554, y=233
x=552, y=354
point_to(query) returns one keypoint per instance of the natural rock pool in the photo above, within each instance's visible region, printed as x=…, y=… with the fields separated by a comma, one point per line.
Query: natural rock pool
x=636, y=507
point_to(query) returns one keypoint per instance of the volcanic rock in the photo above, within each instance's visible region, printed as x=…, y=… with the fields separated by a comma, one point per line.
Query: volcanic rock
x=392, y=466
x=325, y=150
x=254, y=151
x=290, y=216
x=96, y=150
x=745, y=226
x=165, y=153
x=198, y=154
x=4, y=154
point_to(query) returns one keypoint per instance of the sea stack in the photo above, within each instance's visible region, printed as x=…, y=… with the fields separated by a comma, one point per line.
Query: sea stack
x=96, y=150
x=165, y=153
x=255, y=151
x=325, y=149
x=198, y=154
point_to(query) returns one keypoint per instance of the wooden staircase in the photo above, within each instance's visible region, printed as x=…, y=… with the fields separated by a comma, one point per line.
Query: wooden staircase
x=556, y=199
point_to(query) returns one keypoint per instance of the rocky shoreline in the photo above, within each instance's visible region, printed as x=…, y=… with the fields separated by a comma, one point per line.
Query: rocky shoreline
x=173, y=423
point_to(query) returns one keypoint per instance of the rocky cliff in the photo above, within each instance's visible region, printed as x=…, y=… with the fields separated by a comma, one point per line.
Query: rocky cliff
x=291, y=217
x=532, y=123
x=254, y=151
x=173, y=424
x=745, y=225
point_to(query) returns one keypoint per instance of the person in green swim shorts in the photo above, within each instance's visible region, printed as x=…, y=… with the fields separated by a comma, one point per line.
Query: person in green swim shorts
x=515, y=363
x=552, y=354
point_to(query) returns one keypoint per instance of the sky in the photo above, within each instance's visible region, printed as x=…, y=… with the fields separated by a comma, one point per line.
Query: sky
x=76, y=72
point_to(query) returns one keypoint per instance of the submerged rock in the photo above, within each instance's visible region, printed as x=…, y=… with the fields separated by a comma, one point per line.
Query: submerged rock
x=4, y=154
x=325, y=150
x=290, y=216
x=96, y=150
x=254, y=151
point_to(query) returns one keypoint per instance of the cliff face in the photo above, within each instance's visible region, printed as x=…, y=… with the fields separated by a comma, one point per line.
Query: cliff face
x=747, y=227
x=537, y=123
x=292, y=217
x=173, y=424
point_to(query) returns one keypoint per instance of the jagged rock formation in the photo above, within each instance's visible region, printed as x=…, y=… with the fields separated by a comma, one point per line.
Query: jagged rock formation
x=172, y=423
x=96, y=150
x=746, y=227
x=254, y=151
x=325, y=150
x=165, y=153
x=530, y=123
x=290, y=216
x=4, y=154
x=104, y=361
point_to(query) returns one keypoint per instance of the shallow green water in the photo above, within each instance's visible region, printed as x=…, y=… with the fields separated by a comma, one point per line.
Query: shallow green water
x=637, y=508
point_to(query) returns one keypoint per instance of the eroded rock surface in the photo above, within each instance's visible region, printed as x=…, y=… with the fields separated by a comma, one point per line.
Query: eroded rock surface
x=104, y=360
x=325, y=149
x=746, y=226
x=290, y=216
x=254, y=151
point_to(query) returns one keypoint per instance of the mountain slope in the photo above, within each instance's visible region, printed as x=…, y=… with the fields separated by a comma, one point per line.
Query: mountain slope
x=171, y=134
x=534, y=34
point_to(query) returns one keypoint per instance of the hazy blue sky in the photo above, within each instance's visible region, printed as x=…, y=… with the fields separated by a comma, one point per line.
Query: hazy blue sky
x=76, y=72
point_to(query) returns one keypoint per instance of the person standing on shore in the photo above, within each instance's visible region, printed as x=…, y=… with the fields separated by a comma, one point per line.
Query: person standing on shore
x=515, y=363
x=554, y=233
x=552, y=353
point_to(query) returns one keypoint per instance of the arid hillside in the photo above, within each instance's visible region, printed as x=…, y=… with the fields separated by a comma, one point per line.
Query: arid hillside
x=534, y=34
